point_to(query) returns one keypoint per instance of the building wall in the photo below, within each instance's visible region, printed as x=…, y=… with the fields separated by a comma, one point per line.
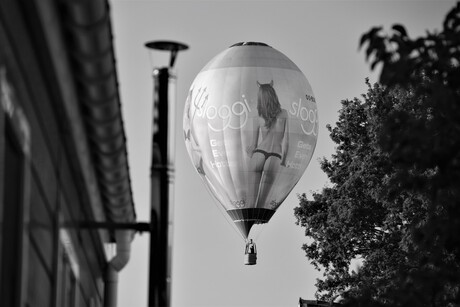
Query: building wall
x=55, y=262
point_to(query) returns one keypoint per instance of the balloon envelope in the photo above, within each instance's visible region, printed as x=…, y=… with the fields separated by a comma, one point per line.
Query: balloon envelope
x=250, y=127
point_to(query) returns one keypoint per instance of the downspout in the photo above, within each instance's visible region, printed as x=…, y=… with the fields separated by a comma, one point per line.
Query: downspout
x=123, y=251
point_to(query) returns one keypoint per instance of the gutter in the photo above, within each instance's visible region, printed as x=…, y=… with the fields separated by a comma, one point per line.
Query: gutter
x=89, y=42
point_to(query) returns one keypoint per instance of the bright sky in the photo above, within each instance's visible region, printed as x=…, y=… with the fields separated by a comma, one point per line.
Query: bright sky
x=321, y=37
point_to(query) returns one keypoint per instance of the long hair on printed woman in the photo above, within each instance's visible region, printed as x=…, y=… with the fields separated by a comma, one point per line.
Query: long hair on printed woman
x=268, y=105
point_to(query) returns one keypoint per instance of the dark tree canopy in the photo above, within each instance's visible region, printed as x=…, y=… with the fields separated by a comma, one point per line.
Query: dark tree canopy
x=394, y=197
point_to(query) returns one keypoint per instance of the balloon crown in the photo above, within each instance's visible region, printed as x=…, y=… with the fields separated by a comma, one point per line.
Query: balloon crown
x=249, y=44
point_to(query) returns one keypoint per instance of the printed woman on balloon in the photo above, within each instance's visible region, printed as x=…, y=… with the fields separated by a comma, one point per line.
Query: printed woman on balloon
x=270, y=142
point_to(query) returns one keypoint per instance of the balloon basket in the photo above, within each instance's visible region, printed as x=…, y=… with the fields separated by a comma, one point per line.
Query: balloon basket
x=250, y=259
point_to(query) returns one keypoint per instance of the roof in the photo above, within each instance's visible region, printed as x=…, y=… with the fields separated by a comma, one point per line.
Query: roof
x=88, y=38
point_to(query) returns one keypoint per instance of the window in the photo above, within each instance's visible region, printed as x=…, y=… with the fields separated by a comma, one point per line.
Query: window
x=68, y=284
x=14, y=193
x=68, y=272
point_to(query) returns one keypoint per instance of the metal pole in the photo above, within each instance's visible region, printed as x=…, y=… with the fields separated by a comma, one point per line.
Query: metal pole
x=162, y=177
x=161, y=188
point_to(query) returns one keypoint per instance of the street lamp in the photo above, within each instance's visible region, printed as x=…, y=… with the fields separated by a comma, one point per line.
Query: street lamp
x=162, y=175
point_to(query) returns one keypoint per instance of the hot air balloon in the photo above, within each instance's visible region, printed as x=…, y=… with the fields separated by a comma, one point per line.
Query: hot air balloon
x=250, y=127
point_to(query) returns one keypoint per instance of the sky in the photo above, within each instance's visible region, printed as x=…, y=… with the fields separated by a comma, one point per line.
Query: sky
x=321, y=38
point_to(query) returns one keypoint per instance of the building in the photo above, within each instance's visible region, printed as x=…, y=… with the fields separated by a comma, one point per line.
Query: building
x=64, y=173
x=315, y=303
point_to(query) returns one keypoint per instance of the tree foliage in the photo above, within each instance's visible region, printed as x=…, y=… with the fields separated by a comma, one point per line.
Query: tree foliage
x=394, y=198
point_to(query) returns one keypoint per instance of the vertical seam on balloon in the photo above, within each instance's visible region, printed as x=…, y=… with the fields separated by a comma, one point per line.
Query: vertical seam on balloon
x=218, y=170
x=242, y=151
x=218, y=178
x=232, y=183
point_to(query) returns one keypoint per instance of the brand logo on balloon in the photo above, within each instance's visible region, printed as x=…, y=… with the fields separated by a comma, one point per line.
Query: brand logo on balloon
x=223, y=112
x=308, y=115
x=250, y=127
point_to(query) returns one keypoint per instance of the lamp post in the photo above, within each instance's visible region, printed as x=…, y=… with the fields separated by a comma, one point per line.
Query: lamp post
x=162, y=175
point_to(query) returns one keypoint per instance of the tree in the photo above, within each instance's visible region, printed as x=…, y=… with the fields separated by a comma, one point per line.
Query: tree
x=364, y=213
x=394, y=198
